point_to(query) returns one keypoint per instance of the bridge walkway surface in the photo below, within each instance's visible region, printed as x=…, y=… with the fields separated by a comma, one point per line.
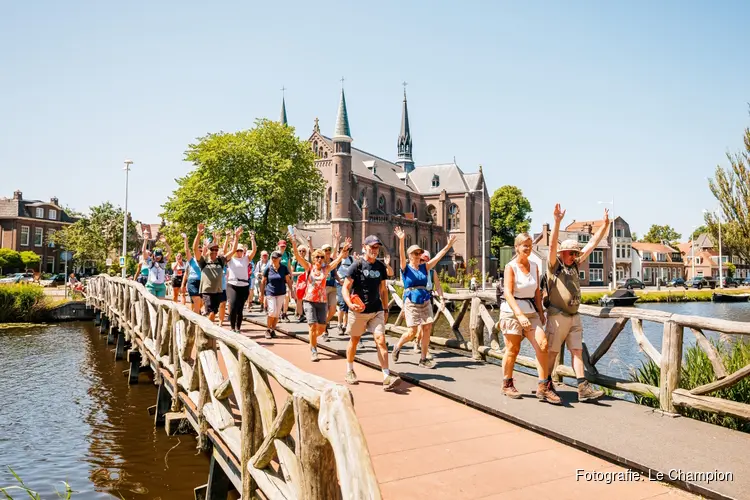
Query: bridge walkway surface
x=439, y=437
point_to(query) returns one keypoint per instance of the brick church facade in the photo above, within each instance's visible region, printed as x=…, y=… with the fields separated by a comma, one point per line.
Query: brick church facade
x=366, y=194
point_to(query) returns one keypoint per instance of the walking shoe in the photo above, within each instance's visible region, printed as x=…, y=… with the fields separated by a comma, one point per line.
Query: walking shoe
x=302, y=319
x=510, y=390
x=417, y=348
x=284, y=317
x=314, y=356
x=390, y=383
x=427, y=363
x=268, y=334
x=395, y=355
x=545, y=391
x=588, y=393
x=351, y=378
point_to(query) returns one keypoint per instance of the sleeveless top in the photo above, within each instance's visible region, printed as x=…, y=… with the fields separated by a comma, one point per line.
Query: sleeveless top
x=316, y=285
x=524, y=287
x=194, y=270
x=145, y=263
x=415, y=278
x=178, y=269
x=157, y=273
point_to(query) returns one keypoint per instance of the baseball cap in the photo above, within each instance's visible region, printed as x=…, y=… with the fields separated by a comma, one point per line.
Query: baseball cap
x=158, y=253
x=413, y=248
x=282, y=243
x=213, y=245
x=372, y=240
x=276, y=254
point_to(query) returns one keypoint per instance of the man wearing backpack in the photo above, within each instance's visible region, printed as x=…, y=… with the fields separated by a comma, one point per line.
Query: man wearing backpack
x=564, y=296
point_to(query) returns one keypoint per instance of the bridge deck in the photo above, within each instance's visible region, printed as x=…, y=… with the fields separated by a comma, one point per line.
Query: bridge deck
x=425, y=445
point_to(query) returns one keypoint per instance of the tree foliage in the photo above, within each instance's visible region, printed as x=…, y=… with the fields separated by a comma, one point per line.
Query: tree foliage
x=9, y=260
x=509, y=215
x=659, y=234
x=731, y=188
x=261, y=179
x=30, y=260
x=698, y=231
x=97, y=236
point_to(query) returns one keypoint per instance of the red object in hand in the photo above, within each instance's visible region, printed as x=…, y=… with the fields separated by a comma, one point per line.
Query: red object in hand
x=357, y=301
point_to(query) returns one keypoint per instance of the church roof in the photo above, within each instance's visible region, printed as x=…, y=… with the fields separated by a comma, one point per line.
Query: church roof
x=472, y=181
x=450, y=177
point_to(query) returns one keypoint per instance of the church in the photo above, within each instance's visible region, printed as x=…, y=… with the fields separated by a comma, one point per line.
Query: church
x=366, y=194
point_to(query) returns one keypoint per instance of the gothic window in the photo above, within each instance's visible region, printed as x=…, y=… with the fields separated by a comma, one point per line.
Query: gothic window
x=336, y=169
x=432, y=214
x=454, y=221
x=399, y=207
x=315, y=148
x=424, y=243
x=414, y=210
x=408, y=241
x=381, y=203
x=328, y=205
x=361, y=199
x=435, y=181
x=336, y=197
x=325, y=155
x=436, y=248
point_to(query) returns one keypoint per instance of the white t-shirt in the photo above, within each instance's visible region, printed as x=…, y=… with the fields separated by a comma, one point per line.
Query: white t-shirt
x=524, y=287
x=157, y=273
x=237, y=271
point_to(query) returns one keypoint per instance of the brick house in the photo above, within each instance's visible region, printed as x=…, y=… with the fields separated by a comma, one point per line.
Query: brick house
x=623, y=247
x=592, y=272
x=652, y=261
x=26, y=225
x=706, y=256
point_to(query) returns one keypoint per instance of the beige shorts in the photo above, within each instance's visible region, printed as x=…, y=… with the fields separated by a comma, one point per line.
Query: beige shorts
x=562, y=328
x=417, y=314
x=274, y=304
x=359, y=323
x=331, y=297
x=509, y=325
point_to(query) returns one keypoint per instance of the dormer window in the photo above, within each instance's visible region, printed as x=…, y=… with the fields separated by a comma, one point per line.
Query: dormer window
x=52, y=214
x=40, y=213
x=435, y=181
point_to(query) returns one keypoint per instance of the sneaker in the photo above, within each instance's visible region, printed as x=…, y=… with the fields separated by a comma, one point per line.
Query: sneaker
x=545, y=391
x=302, y=319
x=324, y=337
x=417, y=348
x=427, y=363
x=390, y=383
x=285, y=318
x=351, y=378
x=395, y=354
x=588, y=393
x=314, y=356
x=269, y=334
x=510, y=390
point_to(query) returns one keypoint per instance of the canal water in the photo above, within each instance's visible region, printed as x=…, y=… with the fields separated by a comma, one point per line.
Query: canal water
x=68, y=414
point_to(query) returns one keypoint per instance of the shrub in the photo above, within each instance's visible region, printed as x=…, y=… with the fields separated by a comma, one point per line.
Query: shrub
x=21, y=303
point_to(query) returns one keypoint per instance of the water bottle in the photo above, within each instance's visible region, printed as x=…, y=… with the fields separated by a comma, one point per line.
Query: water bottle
x=290, y=228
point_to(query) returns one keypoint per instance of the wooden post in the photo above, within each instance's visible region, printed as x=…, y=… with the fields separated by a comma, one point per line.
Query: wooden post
x=476, y=328
x=204, y=391
x=134, y=357
x=111, y=335
x=671, y=364
x=163, y=405
x=319, y=480
x=120, y=346
x=218, y=482
x=104, y=325
x=250, y=427
x=97, y=318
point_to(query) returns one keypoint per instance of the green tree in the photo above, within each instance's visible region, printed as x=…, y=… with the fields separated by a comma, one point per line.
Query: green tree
x=9, y=260
x=698, y=231
x=30, y=260
x=509, y=215
x=658, y=234
x=261, y=179
x=731, y=188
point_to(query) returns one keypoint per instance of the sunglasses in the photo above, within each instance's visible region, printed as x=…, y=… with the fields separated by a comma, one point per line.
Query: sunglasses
x=375, y=247
x=319, y=257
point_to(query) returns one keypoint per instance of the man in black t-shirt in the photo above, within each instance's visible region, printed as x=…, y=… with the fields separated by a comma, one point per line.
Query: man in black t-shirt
x=365, y=280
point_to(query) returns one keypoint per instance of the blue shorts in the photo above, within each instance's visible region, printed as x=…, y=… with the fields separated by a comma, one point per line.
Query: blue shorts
x=340, y=300
x=157, y=289
x=193, y=288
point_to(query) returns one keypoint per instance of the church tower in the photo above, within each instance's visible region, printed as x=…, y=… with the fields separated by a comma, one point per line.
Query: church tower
x=341, y=219
x=283, y=111
x=404, y=140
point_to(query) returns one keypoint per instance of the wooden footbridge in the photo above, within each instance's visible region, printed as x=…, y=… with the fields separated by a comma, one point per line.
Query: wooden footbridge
x=279, y=426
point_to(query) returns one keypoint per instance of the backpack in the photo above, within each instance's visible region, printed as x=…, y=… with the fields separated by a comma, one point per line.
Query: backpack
x=544, y=283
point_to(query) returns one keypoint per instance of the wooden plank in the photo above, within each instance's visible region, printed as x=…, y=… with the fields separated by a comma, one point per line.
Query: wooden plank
x=224, y=390
x=264, y=396
x=153, y=319
x=210, y=369
x=489, y=323
x=723, y=383
x=460, y=316
x=588, y=367
x=625, y=312
x=273, y=487
x=233, y=371
x=317, y=459
x=681, y=397
x=713, y=324
x=290, y=467
x=626, y=385
x=282, y=427
x=671, y=365
x=644, y=343
x=250, y=427
x=607, y=342
x=713, y=356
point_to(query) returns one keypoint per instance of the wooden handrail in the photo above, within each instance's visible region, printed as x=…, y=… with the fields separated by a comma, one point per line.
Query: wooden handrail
x=166, y=333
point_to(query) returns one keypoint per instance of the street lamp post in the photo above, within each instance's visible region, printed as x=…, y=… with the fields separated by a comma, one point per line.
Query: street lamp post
x=125, y=220
x=614, y=243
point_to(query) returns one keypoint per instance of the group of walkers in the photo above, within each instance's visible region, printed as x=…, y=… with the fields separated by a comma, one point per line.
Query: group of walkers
x=334, y=282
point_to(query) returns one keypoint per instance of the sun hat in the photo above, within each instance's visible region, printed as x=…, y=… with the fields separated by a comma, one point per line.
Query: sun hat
x=326, y=247
x=372, y=240
x=569, y=246
x=414, y=248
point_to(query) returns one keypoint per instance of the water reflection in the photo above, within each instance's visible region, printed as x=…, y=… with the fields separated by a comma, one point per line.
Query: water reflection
x=70, y=415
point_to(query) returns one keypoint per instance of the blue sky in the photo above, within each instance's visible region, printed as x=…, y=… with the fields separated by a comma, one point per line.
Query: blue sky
x=573, y=102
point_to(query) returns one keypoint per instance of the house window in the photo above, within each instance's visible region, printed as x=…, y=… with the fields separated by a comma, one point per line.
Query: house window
x=381, y=203
x=432, y=214
x=424, y=243
x=414, y=209
x=40, y=213
x=647, y=257
x=596, y=275
x=583, y=237
x=50, y=264
x=38, y=236
x=661, y=257
x=435, y=248
x=25, y=236
x=582, y=275
x=399, y=207
x=50, y=234
x=435, y=181
x=52, y=214
x=408, y=240
x=628, y=250
x=596, y=257
x=618, y=233
x=454, y=221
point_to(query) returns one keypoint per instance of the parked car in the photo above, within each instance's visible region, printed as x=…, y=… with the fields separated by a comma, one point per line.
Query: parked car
x=54, y=280
x=677, y=282
x=729, y=282
x=746, y=281
x=701, y=282
x=18, y=278
x=630, y=283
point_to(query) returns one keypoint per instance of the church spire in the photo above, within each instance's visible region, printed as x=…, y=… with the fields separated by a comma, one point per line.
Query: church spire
x=342, y=119
x=404, y=139
x=283, y=108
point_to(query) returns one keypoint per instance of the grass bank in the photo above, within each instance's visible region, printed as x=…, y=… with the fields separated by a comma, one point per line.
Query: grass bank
x=678, y=295
x=25, y=303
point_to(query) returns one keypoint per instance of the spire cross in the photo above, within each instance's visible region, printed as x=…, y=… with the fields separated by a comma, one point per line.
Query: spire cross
x=342, y=82
x=404, y=84
x=282, y=90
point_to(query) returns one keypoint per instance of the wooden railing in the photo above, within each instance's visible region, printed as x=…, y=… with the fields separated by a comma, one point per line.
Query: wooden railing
x=669, y=394
x=313, y=435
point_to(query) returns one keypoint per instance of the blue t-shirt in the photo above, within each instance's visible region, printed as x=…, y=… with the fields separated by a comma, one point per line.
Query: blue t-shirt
x=331, y=280
x=341, y=271
x=276, y=280
x=412, y=278
x=194, y=270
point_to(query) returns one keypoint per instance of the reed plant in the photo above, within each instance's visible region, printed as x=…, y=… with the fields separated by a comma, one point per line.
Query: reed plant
x=28, y=492
x=21, y=303
x=697, y=371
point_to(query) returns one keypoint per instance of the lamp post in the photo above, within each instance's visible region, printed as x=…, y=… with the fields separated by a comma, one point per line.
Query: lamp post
x=614, y=243
x=125, y=220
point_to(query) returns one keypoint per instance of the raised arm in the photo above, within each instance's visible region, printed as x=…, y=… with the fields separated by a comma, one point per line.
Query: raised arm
x=387, y=262
x=402, y=252
x=146, y=235
x=235, y=242
x=298, y=256
x=197, y=241
x=336, y=240
x=558, y=214
x=168, y=253
x=344, y=253
x=188, y=255
x=434, y=261
x=225, y=246
x=593, y=242
x=254, y=247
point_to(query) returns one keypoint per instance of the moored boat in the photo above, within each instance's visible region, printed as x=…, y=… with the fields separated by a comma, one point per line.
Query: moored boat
x=730, y=297
x=620, y=298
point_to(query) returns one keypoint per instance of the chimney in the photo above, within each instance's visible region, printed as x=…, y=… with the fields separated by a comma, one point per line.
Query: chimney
x=17, y=195
x=587, y=228
x=54, y=200
x=545, y=233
